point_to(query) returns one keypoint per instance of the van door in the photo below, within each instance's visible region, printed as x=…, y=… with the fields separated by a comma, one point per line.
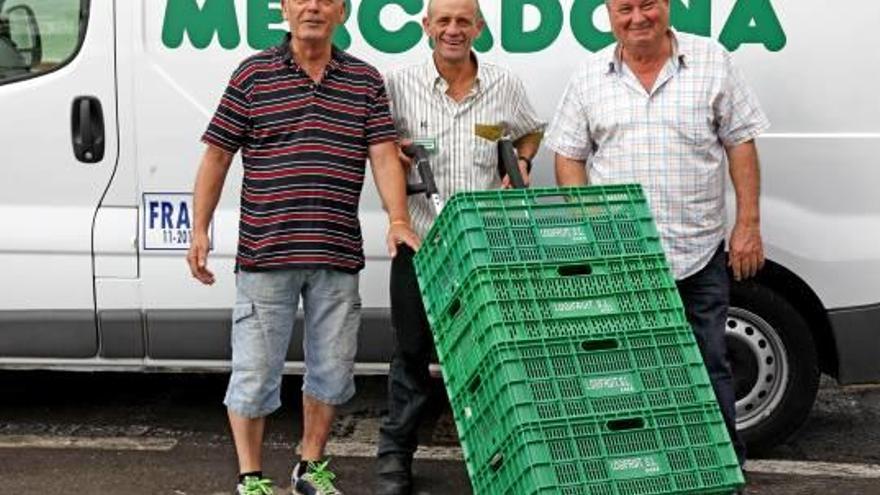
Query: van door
x=58, y=151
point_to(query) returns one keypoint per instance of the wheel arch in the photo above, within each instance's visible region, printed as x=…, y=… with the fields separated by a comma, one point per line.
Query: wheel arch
x=797, y=292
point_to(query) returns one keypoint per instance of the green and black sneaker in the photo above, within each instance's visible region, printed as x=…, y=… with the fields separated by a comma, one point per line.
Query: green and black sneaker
x=313, y=478
x=254, y=485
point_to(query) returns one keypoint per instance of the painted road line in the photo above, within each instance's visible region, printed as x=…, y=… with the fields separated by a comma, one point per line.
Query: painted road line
x=799, y=468
x=813, y=468
x=435, y=453
x=94, y=443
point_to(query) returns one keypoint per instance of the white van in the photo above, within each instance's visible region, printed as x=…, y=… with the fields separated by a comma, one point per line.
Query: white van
x=102, y=103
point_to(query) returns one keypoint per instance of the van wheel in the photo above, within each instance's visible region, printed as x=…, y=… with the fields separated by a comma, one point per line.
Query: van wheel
x=775, y=370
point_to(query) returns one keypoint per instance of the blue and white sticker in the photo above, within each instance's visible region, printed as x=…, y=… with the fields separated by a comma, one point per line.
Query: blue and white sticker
x=168, y=220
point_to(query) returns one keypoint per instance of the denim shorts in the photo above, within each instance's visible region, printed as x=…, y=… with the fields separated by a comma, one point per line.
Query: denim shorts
x=262, y=322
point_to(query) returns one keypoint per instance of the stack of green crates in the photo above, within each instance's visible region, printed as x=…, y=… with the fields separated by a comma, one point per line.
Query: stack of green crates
x=566, y=354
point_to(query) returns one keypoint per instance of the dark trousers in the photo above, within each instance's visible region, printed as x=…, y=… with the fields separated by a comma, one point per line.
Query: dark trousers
x=409, y=382
x=706, y=297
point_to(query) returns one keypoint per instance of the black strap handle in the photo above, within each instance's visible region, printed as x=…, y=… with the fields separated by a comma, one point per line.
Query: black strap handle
x=508, y=163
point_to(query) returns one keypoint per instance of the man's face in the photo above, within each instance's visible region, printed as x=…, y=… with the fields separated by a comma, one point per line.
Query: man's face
x=641, y=23
x=313, y=20
x=453, y=25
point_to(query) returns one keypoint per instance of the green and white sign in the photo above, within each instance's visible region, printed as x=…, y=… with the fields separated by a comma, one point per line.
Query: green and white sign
x=513, y=26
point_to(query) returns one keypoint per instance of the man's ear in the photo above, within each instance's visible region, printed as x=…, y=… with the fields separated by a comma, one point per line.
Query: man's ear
x=342, y=13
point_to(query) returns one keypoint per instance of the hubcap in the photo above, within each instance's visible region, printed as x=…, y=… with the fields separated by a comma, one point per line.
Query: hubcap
x=760, y=366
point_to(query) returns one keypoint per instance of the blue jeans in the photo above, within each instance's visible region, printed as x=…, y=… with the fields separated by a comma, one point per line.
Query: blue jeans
x=706, y=297
x=262, y=322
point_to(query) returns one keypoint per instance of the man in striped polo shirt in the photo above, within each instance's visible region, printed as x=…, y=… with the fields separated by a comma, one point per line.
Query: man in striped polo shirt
x=305, y=116
x=443, y=103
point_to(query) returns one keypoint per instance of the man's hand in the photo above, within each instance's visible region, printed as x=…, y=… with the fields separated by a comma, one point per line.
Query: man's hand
x=209, y=183
x=746, y=250
x=523, y=171
x=197, y=257
x=400, y=232
x=405, y=160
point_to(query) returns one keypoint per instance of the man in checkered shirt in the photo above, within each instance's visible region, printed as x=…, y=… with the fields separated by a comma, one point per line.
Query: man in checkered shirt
x=668, y=110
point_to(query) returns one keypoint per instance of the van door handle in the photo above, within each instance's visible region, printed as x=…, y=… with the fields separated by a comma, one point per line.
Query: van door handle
x=87, y=127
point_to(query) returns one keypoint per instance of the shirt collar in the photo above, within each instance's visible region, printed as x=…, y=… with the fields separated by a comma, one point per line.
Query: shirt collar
x=286, y=54
x=680, y=54
x=432, y=75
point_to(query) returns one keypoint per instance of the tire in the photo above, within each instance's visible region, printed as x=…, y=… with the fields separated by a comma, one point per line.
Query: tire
x=775, y=366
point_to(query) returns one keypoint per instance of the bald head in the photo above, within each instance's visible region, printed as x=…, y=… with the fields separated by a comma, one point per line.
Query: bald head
x=475, y=3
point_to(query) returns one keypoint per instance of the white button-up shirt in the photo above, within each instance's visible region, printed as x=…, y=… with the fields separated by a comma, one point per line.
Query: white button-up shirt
x=462, y=161
x=671, y=139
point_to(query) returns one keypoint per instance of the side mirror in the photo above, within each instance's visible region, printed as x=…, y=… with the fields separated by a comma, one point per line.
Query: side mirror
x=24, y=32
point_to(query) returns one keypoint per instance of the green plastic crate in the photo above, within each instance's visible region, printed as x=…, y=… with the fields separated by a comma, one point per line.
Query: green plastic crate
x=485, y=228
x=684, y=451
x=576, y=378
x=528, y=301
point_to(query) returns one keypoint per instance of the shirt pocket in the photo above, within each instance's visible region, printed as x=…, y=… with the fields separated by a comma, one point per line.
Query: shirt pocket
x=692, y=124
x=485, y=153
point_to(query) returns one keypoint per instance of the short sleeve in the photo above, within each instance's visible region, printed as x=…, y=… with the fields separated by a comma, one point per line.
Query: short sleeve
x=737, y=110
x=379, y=125
x=231, y=124
x=569, y=134
x=525, y=119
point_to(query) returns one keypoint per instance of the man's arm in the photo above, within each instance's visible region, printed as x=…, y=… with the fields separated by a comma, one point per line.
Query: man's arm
x=390, y=180
x=746, y=246
x=571, y=172
x=206, y=194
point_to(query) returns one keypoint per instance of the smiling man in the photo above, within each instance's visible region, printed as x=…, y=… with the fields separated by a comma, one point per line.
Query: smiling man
x=446, y=104
x=669, y=110
x=305, y=116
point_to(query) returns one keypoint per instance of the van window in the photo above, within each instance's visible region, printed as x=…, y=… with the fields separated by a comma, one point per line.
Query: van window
x=38, y=36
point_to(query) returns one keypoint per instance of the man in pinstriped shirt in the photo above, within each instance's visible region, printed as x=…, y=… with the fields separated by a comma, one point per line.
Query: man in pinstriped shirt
x=667, y=110
x=450, y=104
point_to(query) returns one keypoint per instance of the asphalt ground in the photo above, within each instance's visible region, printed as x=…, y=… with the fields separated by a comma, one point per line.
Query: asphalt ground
x=166, y=434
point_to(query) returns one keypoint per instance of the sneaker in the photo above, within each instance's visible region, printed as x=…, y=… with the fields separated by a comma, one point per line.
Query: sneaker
x=313, y=478
x=253, y=485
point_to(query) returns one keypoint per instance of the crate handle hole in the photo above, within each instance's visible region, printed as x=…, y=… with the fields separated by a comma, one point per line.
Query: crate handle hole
x=575, y=270
x=599, y=345
x=496, y=462
x=475, y=384
x=454, y=308
x=626, y=424
x=556, y=199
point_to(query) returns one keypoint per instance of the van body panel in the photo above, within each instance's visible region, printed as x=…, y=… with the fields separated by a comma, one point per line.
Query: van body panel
x=49, y=197
x=116, y=253
x=122, y=334
x=820, y=211
x=48, y=334
x=853, y=328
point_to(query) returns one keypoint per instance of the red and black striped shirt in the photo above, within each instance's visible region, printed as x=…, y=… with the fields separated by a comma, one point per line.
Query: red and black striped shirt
x=304, y=147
